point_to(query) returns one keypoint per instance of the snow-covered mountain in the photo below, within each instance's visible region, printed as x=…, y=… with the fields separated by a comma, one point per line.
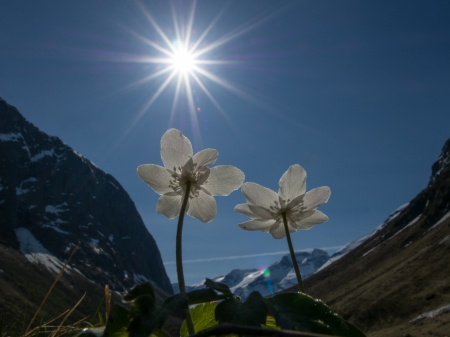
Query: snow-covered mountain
x=51, y=197
x=278, y=276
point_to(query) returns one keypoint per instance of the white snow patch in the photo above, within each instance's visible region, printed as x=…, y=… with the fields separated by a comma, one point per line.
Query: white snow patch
x=14, y=137
x=126, y=237
x=431, y=314
x=138, y=278
x=10, y=137
x=445, y=217
x=445, y=162
x=353, y=244
x=408, y=225
x=32, y=206
x=111, y=238
x=94, y=243
x=445, y=240
x=20, y=191
x=36, y=253
x=370, y=251
x=100, y=234
x=55, y=209
x=115, y=186
x=56, y=229
x=42, y=154
x=2, y=201
x=1, y=271
x=346, y=249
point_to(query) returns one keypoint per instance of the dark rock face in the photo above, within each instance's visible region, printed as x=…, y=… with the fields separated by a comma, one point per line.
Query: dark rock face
x=52, y=195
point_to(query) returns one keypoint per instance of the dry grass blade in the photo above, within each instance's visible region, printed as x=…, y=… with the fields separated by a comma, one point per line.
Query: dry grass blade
x=51, y=288
x=46, y=325
x=68, y=314
x=107, y=301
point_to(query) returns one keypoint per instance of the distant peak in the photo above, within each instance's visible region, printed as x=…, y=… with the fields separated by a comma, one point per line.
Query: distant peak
x=442, y=163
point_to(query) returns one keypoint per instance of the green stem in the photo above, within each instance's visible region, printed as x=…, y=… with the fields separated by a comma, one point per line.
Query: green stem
x=179, y=257
x=294, y=259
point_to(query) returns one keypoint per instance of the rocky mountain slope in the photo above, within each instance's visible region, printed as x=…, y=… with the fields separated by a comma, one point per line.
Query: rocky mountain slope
x=278, y=276
x=395, y=281
x=51, y=197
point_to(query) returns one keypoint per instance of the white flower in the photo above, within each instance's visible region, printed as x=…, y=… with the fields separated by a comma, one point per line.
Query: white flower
x=265, y=207
x=180, y=166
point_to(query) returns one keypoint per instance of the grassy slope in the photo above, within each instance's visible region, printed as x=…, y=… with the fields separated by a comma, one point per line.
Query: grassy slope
x=383, y=291
x=24, y=285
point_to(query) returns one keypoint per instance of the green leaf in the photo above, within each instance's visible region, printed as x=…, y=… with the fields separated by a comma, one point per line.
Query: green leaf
x=100, y=319
x=271, y=323
x=203, y=296
x=139, y=290
x=117, y=322
x=303, y=313
x=176, y=305
x=203, y=318
x=146, y=317
x=159, y=333
x=252, y=312
x=220, y=287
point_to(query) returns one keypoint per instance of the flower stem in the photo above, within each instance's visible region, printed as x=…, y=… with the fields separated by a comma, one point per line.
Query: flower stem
x=294, y=259
x=179, y=257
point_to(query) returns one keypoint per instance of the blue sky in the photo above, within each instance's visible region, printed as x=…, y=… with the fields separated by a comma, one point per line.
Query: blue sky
x=355, y=92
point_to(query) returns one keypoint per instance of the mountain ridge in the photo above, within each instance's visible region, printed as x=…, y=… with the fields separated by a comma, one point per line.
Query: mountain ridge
x=51, y=197
x=400, y=272
x=279, y=276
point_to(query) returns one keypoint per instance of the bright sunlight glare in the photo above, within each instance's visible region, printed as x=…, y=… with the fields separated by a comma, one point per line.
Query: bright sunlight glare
x=183, y=60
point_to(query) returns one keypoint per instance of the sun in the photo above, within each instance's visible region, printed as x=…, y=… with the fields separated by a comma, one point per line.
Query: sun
x=183, y=60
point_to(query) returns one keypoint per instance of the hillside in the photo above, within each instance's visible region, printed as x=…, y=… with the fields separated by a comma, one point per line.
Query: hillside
x=399, y=272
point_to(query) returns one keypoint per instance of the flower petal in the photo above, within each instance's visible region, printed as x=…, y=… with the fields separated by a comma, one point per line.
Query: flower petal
x=202, y=207
x=156, y=177
x=261, y=212
x=244, y=209
x=299, y=216
x=257, y=225
x=292, y=183
x=277, y=230
x=169, y=205
x=205, y=157
x=259, y=195
x=317, y=218
x=175, y=149
x=223, y=180
x=316, y=197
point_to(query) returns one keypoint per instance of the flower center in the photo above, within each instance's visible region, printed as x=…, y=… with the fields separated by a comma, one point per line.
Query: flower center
x=283, y=206
x=182, y=175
